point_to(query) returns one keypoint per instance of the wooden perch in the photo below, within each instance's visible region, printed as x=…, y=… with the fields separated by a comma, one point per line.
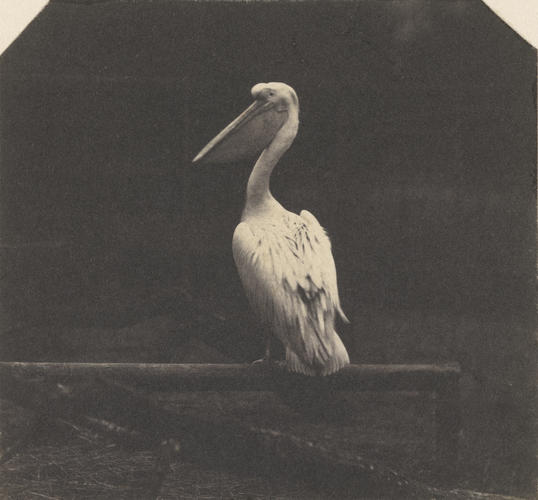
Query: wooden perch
x=443, y=380
x=244, y=377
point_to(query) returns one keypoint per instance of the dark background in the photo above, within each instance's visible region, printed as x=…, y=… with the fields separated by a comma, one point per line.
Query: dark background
x=417, y=152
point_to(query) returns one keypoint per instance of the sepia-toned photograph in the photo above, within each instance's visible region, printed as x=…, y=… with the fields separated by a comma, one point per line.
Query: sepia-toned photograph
x=268, y=250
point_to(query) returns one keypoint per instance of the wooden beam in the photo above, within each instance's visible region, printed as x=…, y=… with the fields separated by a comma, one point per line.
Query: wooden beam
x=243, y=377
x=443, y=380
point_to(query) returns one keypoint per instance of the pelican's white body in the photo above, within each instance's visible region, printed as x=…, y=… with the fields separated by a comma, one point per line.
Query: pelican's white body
x=287, y=269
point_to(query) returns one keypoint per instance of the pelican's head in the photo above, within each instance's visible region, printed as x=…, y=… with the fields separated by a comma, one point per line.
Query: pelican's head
x=280, y=94
x=252, y=131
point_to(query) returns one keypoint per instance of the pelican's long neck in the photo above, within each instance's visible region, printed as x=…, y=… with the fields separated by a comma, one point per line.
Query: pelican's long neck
x=258, y=192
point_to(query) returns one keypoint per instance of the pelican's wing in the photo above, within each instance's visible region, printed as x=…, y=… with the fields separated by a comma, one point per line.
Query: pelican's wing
x=289, y=281
x=327, y=267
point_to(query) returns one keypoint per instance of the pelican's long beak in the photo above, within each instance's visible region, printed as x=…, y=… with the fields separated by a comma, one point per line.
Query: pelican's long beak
x=249, y=134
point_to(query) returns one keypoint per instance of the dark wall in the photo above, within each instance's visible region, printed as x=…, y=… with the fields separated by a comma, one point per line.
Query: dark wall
x=416, y=151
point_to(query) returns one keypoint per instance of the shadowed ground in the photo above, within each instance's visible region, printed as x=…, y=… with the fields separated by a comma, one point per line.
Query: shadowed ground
x=393, y=430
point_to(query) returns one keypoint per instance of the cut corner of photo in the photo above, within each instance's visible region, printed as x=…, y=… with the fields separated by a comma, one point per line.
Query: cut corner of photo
x=520, y=16
x=15, y=16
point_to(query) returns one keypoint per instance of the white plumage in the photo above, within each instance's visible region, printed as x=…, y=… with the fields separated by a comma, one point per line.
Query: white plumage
x=284, y=259
x=287, y=270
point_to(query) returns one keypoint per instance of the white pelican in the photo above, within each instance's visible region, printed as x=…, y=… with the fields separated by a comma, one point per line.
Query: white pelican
x=284, y=259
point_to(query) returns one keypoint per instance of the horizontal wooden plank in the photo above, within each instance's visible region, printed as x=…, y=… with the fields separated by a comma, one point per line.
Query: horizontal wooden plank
x=244, y=377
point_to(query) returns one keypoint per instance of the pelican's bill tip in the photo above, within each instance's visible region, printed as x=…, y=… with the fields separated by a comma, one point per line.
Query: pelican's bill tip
x=198, y=157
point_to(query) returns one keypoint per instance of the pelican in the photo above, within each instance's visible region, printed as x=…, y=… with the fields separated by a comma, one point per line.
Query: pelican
x=284, y=260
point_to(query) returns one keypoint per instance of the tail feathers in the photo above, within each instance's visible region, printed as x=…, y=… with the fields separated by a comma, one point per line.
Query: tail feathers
x=342, y=314
x=294, y=364
x=336, y=361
